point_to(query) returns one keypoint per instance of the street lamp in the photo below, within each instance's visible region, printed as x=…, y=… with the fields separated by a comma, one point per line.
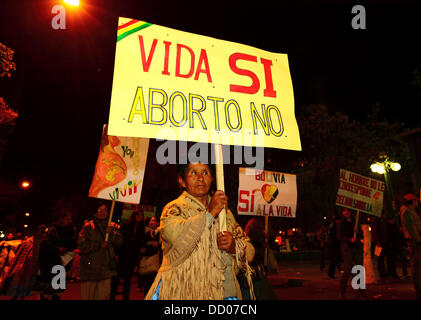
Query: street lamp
x=383, y=167
x=72, y=2
x=25, y=184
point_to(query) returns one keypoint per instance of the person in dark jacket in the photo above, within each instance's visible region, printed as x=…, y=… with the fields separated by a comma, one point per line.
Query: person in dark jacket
x=153, y=248
x=130, y=252
x=350, y=235
x=59, y=238
x=335, y=255
x=97, y=264
x=389, y=241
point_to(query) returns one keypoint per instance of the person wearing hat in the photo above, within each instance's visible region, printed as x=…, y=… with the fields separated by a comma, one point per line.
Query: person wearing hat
x=411, y=226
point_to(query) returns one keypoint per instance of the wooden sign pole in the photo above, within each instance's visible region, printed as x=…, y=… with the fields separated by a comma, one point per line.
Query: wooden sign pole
x=110, y=218
x=220, y=185
x=266, y=241
x=356, y=224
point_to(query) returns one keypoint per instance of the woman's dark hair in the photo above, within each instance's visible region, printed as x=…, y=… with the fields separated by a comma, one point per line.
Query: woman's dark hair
x=134, y=214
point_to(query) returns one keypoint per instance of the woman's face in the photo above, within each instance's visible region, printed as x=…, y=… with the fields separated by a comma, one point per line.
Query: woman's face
x=346, y=213
x=197, y=180
x=153, y=223
x=139, y=216
x=66, y=219
x=102, y=212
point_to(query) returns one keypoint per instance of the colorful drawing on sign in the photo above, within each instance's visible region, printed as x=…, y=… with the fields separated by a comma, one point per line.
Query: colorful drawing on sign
x=266, y=193
x=269, y=192
x=120, y=168
x=110, y=168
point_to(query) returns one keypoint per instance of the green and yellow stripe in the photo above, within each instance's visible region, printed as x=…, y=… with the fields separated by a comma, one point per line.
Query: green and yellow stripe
x=130, y=27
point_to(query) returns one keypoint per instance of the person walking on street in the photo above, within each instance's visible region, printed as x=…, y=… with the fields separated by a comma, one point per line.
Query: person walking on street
x=153, y=253
x=389, y=239
x=129, y=253
x=323, y=238
x=335, y=255
x=59, y=239
x=411, y=225
x=97, y=256
x=350, y=235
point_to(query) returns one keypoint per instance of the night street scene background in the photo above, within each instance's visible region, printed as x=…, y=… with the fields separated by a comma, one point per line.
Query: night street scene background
x=357, y=95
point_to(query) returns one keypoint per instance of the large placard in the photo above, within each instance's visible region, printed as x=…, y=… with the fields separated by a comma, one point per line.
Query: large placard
x=360, y=193
x=267, y=193
x=174, y=85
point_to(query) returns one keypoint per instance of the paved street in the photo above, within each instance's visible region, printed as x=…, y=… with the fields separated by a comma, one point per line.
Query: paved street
x=296, y=280
x=316, y=285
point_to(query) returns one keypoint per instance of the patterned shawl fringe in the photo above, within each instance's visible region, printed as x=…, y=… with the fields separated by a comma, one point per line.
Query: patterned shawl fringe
x=197, y=278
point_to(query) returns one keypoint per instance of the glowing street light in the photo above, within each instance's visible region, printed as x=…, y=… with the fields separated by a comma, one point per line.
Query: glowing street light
x=25, y=184
x=72, y=2
x=27, y=214
x=383, y=167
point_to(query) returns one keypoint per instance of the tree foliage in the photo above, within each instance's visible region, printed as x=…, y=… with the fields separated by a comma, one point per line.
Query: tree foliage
x=7, y=115
x=331, y=142
x=6, y=61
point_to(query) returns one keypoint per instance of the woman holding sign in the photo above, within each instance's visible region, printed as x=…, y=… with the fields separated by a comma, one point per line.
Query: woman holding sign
x=199, y=262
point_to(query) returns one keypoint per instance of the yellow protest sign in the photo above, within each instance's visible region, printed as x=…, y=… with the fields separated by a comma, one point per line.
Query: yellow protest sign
x=174, y=85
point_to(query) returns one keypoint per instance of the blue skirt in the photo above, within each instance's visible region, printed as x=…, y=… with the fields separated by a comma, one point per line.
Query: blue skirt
x=156, y=294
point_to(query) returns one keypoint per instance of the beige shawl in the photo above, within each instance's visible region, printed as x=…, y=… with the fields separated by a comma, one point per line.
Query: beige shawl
x=192, y=267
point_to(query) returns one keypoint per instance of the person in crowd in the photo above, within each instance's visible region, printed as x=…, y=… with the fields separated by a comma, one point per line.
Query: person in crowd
x=59, y=238
x=350, y=235
x=403, y=249
x=97, y=256
x=411, y=225
x=255, y=230
x=335, y=255
x=323, y=239
x=200, y=262
x=153, y=251
x=389, y=241
x=23, y=274
x=129, y=253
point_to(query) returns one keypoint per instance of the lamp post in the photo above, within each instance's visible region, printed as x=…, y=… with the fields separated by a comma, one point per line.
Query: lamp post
x=383, y=167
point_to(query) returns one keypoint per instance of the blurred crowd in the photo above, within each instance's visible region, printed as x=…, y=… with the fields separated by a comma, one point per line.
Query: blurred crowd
x=100, y=255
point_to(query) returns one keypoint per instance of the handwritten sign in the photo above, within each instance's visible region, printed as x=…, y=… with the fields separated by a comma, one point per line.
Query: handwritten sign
x=120, y=168
x=176, y=85
x=360, y=193
x=267, y=193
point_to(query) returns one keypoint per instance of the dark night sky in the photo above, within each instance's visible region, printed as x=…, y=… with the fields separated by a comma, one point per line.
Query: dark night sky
x=62, y=86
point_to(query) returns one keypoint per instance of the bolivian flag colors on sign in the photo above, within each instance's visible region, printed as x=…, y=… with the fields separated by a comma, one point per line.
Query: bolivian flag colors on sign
x=174, y=85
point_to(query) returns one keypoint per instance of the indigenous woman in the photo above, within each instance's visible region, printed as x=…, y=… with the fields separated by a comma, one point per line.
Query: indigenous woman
x=200, y=262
